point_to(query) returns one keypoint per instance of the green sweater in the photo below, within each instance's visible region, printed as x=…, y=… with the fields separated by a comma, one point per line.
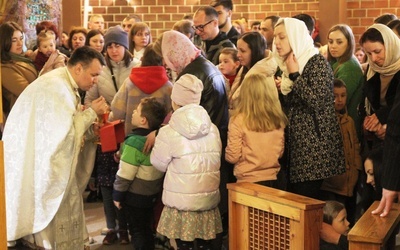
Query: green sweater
x=351, y=73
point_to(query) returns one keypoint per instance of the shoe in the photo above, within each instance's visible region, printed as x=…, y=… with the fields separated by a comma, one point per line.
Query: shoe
x=123, y=237
x=110, y=238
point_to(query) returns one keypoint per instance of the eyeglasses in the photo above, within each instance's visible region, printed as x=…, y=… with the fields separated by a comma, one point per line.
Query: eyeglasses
x=201, y=26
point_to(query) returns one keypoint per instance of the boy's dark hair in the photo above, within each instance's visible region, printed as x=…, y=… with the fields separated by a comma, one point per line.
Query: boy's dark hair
x=227, y=4
x=153, y=111
x=338, y=83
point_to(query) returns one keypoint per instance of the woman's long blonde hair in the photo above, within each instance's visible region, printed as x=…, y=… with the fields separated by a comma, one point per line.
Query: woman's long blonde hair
x=259, y=104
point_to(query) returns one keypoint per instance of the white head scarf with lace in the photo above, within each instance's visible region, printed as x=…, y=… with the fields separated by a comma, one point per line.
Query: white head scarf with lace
x=302, y=46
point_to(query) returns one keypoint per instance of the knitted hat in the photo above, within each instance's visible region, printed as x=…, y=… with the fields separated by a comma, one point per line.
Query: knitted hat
x=116, y=35
x=187, y=90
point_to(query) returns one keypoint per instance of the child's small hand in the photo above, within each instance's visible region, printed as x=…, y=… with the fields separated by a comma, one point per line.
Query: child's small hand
x=117, y=204
x=117, y=156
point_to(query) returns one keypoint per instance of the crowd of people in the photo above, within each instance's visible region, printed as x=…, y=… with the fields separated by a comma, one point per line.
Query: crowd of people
x=211, y=101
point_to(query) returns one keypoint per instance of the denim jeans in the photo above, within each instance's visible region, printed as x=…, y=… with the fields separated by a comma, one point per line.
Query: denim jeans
x=112, y=213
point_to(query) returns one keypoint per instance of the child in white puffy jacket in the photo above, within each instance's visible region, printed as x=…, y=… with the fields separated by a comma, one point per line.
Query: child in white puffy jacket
x=188, y=149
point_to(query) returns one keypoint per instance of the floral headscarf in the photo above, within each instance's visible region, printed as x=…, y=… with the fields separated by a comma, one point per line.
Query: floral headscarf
x=177, y=50
x=392, y=53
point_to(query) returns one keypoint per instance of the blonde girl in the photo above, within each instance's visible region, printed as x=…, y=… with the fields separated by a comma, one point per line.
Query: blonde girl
x=256, y=132
x=139, y=38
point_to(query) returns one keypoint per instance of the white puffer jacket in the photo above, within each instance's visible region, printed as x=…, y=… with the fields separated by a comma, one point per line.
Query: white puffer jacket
x=189, y=151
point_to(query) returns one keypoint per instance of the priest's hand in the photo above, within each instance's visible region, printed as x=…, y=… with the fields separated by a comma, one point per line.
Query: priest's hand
x=100, y=106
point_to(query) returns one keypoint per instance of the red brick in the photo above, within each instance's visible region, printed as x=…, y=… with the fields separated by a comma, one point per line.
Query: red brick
x=289, y=7
x=241, y=8
x=381, y=4
x=177, y=17
x=127, y=10
x=301, y=6
x=164, y=2
x=151, y=2
x=353, y=22
x=94, y=3
x=118, y=2
x=185, y=9
x=106, y=3
x=373, y=13
x=135, y=2
x=367, y=4
x=99, y=10
x=149, y=17
x=119, y=18
x=394, y=3
x=284, y=14
x=157, y=25
x=170, y=9
x=353, y=5
x=113, y=10
x=177, y=2
x=163, y=17
x=142, y=9
x=359, y=13
x=366, y=21
x=277, y=7
x=266, y=7
x=157, y=9
x=313, y=6
x=191, y=2
x=254, y=8
x=108, y=18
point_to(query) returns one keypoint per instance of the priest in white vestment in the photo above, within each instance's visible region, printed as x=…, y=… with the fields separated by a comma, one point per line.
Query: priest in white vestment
x=43, y=137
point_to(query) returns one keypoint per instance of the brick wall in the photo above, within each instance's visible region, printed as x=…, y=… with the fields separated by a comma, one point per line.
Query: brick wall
x=162, y=14
x=361, y=13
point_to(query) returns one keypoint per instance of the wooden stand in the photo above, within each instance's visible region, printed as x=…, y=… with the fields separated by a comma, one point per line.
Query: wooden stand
x=372, y=232
x=266, y=218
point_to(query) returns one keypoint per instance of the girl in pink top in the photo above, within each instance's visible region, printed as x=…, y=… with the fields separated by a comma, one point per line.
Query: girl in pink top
x=256, y=132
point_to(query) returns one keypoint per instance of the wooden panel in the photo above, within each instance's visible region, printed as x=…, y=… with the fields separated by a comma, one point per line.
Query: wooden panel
x=267, y=218
x=276, y=195
x=265, y=205
x=374, y=230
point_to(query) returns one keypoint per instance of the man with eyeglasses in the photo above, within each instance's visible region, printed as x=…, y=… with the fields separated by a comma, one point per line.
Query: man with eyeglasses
x=224, y=10
x=205, y=21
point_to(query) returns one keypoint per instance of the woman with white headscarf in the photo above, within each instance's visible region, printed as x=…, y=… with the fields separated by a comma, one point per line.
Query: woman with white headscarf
x=383, y=94
x=315, y=147
x=383, y=77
